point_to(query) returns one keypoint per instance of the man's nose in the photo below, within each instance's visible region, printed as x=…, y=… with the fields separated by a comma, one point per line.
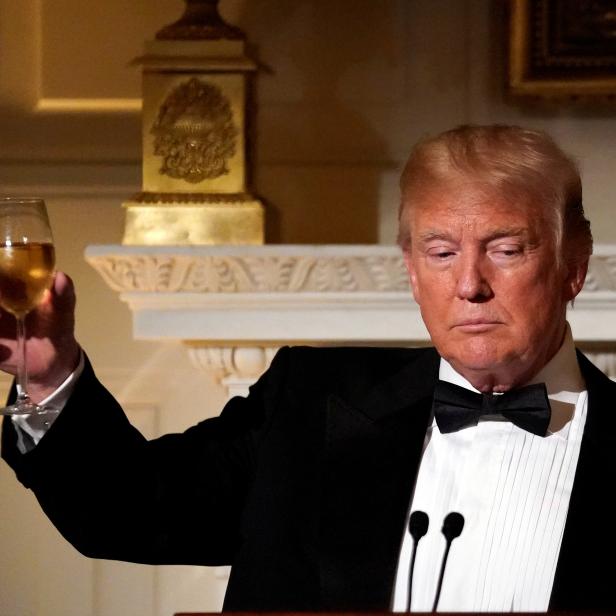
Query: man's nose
x=473, y=280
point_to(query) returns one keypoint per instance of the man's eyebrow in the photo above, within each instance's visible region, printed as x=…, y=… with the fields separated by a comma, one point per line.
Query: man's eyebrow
x=430, y=234
x=433, y=234
x=507, y=232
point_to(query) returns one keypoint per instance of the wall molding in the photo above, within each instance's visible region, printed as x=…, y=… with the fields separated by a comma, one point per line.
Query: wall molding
x=279, y=294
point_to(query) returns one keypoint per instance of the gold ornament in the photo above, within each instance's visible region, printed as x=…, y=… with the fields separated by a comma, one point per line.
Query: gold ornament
x=194, y=132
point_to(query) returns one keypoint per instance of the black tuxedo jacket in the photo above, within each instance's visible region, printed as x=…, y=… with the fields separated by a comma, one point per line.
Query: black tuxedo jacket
x=303, y=486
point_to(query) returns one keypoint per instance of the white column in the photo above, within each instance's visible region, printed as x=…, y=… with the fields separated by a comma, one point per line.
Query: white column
x=236, y=367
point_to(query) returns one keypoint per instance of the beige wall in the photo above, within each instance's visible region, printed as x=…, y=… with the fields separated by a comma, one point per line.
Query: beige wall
x=347, y=86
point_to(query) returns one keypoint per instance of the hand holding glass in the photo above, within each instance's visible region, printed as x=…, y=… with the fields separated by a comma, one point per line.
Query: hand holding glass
x=26, y=271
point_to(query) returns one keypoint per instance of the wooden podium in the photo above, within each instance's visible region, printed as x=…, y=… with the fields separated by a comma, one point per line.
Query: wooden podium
x=585, y=613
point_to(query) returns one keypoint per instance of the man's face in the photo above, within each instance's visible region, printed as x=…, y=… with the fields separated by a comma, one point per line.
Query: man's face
x=484, y=274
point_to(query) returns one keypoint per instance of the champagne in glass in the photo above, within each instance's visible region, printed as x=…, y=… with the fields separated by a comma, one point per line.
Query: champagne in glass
x=26, y=272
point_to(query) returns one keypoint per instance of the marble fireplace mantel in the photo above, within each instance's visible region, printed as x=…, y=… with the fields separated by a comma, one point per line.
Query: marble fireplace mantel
x=234, y=306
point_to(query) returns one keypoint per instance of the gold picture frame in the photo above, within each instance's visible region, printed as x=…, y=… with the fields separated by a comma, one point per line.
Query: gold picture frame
x=562, y=48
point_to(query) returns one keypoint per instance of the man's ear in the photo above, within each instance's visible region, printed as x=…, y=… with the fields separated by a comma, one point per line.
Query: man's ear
x=576, y=275
x=410, y=268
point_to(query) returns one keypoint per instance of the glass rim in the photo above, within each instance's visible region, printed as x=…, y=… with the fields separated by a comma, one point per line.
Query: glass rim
x=10, y=199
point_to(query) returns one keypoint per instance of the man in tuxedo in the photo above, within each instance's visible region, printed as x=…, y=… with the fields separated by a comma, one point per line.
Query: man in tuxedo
x=306, y=486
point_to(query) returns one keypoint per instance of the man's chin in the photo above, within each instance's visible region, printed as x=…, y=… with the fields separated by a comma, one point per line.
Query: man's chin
x=487, y=374
x=477, y=353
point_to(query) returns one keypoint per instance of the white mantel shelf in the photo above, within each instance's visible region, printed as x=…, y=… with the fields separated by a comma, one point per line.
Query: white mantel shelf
x=280, y=294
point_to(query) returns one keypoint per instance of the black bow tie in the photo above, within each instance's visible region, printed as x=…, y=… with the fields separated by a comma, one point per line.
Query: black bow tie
x=456, y=408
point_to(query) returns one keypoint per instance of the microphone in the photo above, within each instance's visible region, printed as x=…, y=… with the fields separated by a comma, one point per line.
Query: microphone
x=452, y=528
x=418, y=527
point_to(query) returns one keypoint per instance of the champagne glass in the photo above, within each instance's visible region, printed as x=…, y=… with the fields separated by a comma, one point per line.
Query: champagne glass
x=26, y=271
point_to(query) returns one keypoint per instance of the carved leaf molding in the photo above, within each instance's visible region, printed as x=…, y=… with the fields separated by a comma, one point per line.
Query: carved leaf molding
x=281, y=274
x=601, y=274
x=228, y=274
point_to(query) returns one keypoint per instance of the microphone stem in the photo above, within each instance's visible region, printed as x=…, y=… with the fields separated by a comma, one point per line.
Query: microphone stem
x=410, y=586
x=440, y=577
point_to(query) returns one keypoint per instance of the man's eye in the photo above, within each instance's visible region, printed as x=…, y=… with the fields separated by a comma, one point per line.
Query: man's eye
x=507, y=252
x=441, y=255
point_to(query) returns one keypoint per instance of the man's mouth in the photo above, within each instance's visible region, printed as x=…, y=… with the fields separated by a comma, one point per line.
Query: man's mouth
x=476, y=326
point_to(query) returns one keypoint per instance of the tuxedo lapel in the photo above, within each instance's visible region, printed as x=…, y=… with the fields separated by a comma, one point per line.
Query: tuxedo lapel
x=371, y=457
x=581, y=582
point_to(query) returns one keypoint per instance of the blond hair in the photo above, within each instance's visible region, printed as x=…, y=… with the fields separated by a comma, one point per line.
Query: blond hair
x=514, y=163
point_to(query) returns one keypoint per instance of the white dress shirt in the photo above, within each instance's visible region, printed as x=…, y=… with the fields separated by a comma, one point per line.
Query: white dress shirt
x=513, y=489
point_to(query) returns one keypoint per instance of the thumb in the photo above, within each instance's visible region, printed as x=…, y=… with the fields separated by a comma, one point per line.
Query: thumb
x=61, y=295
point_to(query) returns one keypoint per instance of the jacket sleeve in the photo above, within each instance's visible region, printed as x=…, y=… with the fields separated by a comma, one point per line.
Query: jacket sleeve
x=176, y=499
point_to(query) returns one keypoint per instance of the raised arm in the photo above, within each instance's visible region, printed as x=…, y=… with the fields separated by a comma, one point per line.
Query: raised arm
x=111, y=493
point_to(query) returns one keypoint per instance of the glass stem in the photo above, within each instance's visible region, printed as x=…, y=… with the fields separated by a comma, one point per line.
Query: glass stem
x=22, y=368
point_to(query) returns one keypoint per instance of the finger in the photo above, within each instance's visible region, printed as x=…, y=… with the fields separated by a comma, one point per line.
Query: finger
x=62, y=292
x=62, y=282
x=58, y=299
